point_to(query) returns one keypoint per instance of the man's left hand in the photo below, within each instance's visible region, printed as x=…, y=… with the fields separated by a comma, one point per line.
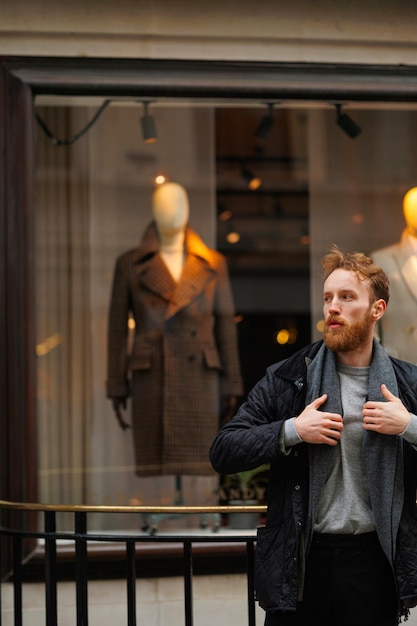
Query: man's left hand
x=388, y=418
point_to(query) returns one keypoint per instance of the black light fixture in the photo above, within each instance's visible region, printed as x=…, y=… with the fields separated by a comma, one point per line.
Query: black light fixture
x=253, y=182
x=346, y=123
x=266, y=122
x=148, y=125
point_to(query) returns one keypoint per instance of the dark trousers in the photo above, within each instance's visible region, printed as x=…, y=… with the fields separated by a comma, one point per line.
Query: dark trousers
x=348, y=582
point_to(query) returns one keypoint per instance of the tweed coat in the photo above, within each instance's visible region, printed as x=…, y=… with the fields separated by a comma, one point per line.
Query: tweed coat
x=398, y=327
x=184, y=356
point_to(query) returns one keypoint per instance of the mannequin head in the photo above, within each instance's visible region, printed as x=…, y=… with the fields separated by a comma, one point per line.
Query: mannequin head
x=170, y=208
x=410, y=210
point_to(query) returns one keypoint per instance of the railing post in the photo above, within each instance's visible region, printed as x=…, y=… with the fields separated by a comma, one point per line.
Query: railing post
x=17, y=579
x=50, y=569
x=250, y=554
x=81, y=568
x=131, y=582
x=188, y=583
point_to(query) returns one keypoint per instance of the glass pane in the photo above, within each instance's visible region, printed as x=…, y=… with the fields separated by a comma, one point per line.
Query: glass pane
x=317, y=186
x=94, y=203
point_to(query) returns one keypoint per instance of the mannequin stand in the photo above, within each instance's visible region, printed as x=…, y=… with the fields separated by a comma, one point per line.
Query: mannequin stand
x=150, y=522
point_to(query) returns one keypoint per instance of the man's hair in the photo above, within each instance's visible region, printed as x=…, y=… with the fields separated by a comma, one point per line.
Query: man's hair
x=362, y=265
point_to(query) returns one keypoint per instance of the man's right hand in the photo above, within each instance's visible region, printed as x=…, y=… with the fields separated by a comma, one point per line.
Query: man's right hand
x=118, y=405
x=314, y=426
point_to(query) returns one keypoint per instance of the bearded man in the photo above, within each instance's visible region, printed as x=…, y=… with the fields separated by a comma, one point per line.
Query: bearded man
x=337, y=424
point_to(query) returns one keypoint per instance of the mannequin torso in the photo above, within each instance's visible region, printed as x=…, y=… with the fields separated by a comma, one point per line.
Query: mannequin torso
x=398, y=328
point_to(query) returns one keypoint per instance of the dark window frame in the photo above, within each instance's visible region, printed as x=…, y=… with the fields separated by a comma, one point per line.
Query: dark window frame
x=23, y=78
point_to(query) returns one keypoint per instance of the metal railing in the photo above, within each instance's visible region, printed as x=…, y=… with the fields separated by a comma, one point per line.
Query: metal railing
x=13, y=539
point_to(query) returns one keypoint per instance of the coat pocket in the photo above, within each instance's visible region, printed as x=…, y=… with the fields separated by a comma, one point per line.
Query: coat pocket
x=141, y=359
x=212, y=358
x=144, y=348
x=269, y=566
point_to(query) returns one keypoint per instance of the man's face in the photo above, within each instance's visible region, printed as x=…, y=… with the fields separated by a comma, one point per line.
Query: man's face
x=349, y=322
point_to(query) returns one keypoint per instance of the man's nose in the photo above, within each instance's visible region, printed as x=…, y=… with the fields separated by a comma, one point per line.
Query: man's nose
x=334, y=306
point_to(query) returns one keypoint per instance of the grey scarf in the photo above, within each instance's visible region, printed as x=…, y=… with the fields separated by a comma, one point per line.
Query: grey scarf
x=383, y=453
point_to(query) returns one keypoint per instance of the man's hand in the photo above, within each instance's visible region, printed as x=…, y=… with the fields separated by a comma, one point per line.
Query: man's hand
x=314, y=426
x=389, y=418
x=118, y=405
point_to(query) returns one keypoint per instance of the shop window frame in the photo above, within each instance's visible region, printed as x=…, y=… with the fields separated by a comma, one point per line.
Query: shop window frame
x=24, y=78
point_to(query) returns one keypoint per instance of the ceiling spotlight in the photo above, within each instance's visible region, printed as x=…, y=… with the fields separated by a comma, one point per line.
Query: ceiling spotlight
x=253, y=182
x=265, y=123
x=346, y=123
x=148, y=125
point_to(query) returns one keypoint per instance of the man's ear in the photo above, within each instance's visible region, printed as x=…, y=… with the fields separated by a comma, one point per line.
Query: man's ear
x=378, y=309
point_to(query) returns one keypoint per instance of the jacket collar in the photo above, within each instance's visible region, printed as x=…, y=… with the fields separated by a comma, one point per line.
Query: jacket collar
x=199, y=268
x=194, y=245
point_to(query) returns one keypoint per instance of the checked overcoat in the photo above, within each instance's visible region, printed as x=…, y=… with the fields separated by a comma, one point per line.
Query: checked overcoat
x=184, y=355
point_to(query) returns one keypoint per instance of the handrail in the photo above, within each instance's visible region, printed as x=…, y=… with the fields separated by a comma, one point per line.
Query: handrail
x=13, y=541
x=98, y=508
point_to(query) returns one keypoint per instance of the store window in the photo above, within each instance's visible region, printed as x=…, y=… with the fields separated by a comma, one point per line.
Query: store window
x=317, y=186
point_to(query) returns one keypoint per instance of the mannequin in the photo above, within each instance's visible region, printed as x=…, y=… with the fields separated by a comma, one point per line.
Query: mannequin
x=184, y=362
x=170, y=210
x=398, y=328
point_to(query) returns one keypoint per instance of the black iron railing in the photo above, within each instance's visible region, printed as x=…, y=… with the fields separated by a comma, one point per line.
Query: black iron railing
x=14, y=540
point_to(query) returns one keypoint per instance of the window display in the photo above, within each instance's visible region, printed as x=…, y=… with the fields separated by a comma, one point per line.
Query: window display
x=96, y=200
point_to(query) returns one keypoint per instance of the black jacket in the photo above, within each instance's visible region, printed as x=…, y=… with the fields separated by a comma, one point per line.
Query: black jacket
x=250, y=439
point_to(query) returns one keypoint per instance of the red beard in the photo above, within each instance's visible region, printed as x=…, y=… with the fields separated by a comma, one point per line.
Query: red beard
x=348, y=337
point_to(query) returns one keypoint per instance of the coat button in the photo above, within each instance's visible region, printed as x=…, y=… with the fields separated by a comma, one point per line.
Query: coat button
x=297, y=487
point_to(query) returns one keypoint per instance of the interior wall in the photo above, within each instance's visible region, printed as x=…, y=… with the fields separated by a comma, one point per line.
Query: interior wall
x=370, y=31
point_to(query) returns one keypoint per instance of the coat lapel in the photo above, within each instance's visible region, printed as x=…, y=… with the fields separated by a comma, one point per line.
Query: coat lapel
x=195, y=276
x=155, y=276
x=199, y=269
x=151, y=271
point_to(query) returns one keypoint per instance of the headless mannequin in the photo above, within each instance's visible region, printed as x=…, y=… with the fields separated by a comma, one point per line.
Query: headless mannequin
x=170, y=210
x=398, y=330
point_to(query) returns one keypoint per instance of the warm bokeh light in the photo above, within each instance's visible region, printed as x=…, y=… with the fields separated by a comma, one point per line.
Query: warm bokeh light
x=282, y=336
x=48, y=344
x=320, y=326
x=225, y=215
x=233, y=237
x=293, y=334
x=255, y=183
x=160, y=179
